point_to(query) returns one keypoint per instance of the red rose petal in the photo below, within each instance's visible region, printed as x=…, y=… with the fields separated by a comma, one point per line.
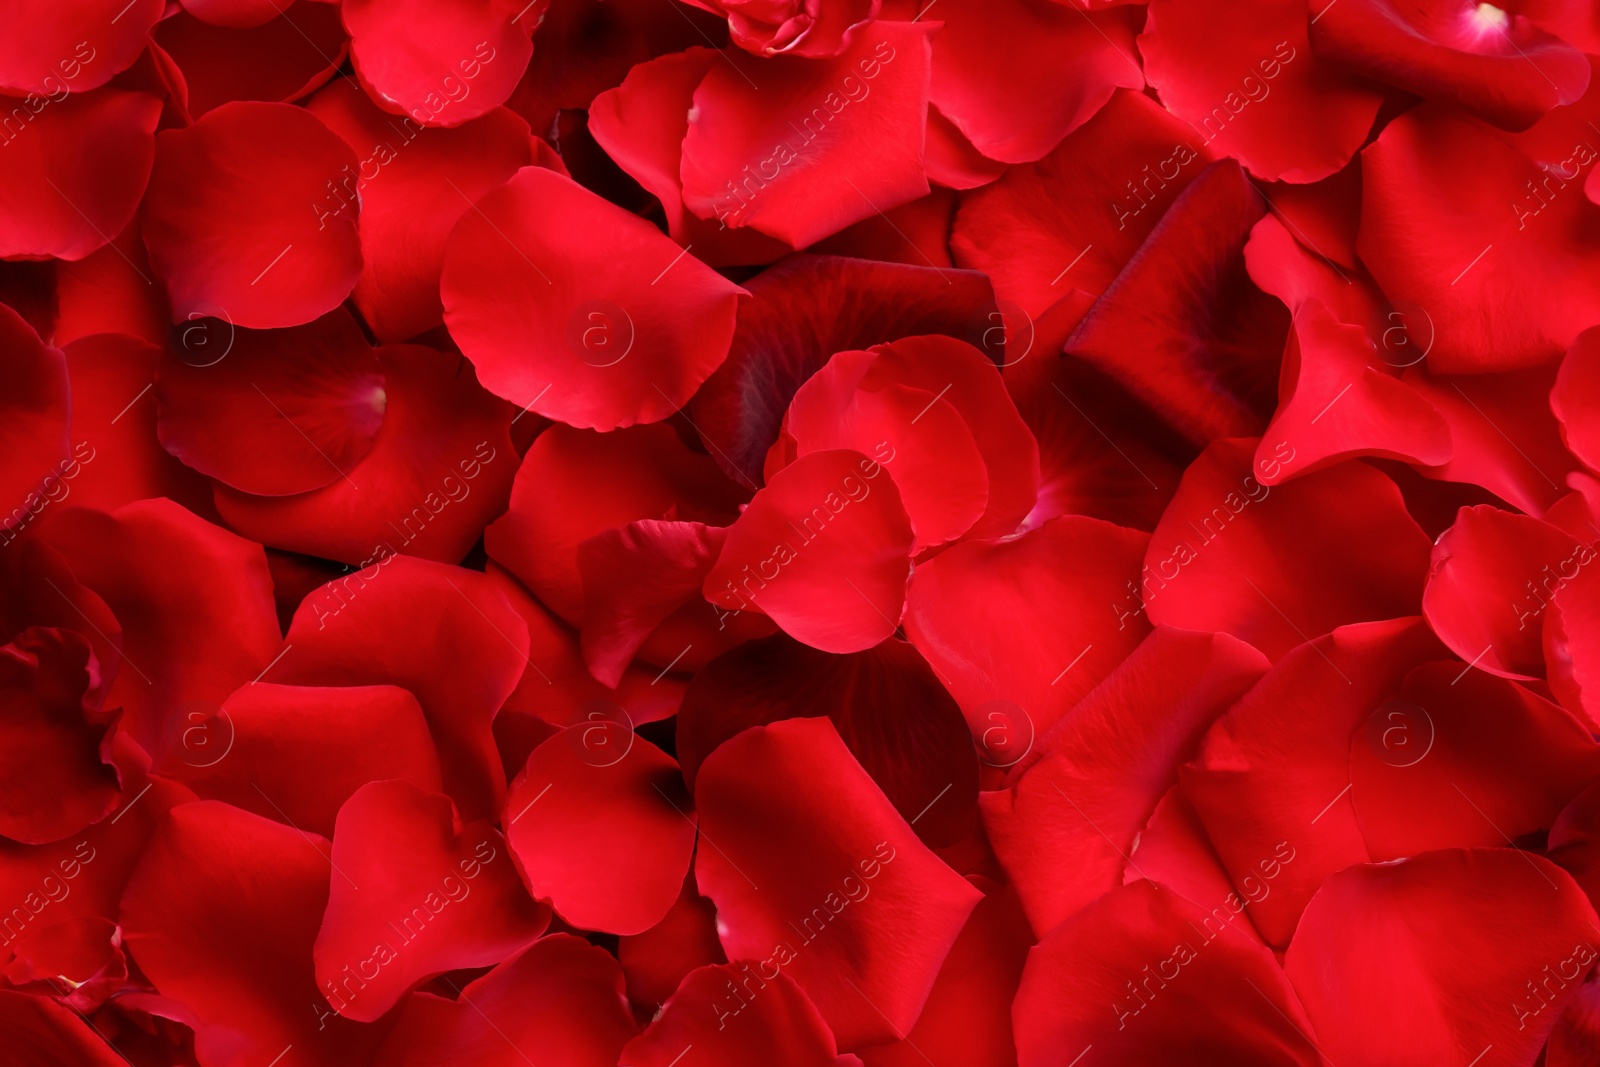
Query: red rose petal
x=1576, y=398
x=297, y=48
x=782, y=1028
x=1425, y=961
x=415, y=892
x=34, y=434
x=194, y=602
x=1183, y=327
x=1029, y=231
x=601, y=827
x=74, y=171
x=997, y=72
x=43, y=1032
x=280, y=412
x=576, y=310
x=1256, y=90
x=111, y=291
x=235, y=218
x=558, y=1002
x=440, y=64
x=1490, y=579
x=53, y=48
x=80, y=961
x=296, y=753
x=1272, y=778
x=1572, y=645
x=799, y=314
x=787, y=848
x=843, y=138
x=1142, y=976
x=1208, y=566
x=964, y=607
x=1499, y=66
x=440, y=468
x=408, y=206
x=1575, y=1040
x=238, y=14
x=886, y=703
x=221, y=916
x=823, y=550
x=1500, y=762
x=56, y=782
x=1065, y=825
x=656, y=960
x=442, y=632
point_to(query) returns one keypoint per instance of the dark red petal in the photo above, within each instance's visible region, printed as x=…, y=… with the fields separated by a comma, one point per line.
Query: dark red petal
x=782, y=1029
x=1575, y=1040
x=1255, y=89
x=886, y=703
x=299, y=47
x=1029, y=231
x=415, y=893
x=194, y=602
x=111, y=290
x=606, y=480
x=1572, y=841
x=75, y=170
x=792, y=148
x=1499, y=762
x=964, y=607
x=1183, y=327
x=807, y=846
x=413, y=183
x=1272, y=779
x=1471, y=252
x=1576, y=398
x=444, y=633
x=601, y=827
x=997, y=72
x=801, y=312
x=1498, y=65
x=1337, y=401
x=576, y=310
x=56, y=781
x=221, y=916
x=1271, y=565
x=279, y=411
x=656, y=960
x=79, y=962
x=1572, y=644
x=559, y=1002
x=1065, y=825
x=235, y=218
x=823, y=550
x=1426, y=961
x=41, y=1032
x=33, y=429
x=439, y=469
x=442, y=64
x=296, y=753
x=1491, y=577
x=238, y=14
x=1142, y=976
x=1504, y=436
x=117, y=457
x=54, y=49
x=920, y=437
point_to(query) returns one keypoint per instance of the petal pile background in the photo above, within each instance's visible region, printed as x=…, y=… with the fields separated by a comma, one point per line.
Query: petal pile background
x=814, y=533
